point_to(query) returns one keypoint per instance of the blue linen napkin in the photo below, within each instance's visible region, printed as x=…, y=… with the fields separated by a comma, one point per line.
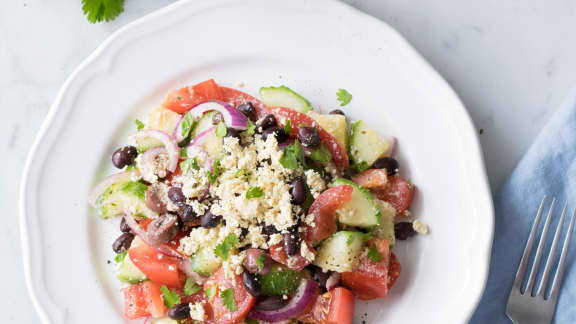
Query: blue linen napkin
x=548, y=168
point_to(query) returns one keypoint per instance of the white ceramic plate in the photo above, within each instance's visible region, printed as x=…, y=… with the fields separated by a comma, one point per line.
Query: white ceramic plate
x=315, y=47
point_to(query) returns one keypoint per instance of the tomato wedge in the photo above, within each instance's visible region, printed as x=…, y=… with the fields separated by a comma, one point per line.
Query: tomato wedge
x=237, y=97
x=153, y=295
x=339, y=155
x=370, y=279
x=156, y=266
x=135, y=304
x=341, y=307
x=394, y=270
x=324, y=211
x=296, y=262
x=372, y=179
x=398, y=192
x=181, y=100
x=243, y=300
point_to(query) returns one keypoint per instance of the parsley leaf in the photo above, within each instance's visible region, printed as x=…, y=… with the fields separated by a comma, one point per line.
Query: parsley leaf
x=189, y=164
x=292, y=155
x=373, y=254
x=287, y=127
x=254, y=192
x=215, y=173
x=221, y=130
x=228, y=301
x=171, y=298
x=183, y=152
x=242, y=172
x=344, y=97
x=251, y=127
x=260, y=261
x=187, y=124
x=359, y=167
x=190, y=287
x=211, y=291
x=139, y=124
x=120, y=256
x=102, y=10
x=223, y=249
x=321, y=154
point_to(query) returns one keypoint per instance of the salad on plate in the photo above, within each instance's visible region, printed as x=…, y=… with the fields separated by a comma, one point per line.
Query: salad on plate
x=243, y=210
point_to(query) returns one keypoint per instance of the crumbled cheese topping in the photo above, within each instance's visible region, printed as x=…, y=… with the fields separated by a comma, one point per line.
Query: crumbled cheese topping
x=153, y=170
x=420, y=227
x=306, y=253
x=194, y=183
x=315, y=183
x=233, y=266
x=197, y=312
x=275, y=239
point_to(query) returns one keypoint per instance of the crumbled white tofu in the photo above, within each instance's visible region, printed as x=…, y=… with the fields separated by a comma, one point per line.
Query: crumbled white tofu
x=152, y=170
x=198, y=207
x=315, y=182
x=306, y=253
x=233, y=266
x=198, y=237
x=197, y=312
x=275, y=239
x=194, y=183
x=420, y=227
x=256, y=238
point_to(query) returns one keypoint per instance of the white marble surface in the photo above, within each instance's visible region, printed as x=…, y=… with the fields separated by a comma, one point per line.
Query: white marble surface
x=510, y=61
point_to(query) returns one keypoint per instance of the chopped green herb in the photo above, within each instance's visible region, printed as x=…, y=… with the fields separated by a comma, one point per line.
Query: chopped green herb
x=102, y=10
x=373, y=254
x=260, y=261
x=321, y=154
x=351, y=238
x=228, y=301
x=211, y=291
x=287, y=127
x=293, y=154
x=241, y=173
x=120, y=256
x=139, y=124
x=190, y=287
x=189, y=164
x=215, y=173
x=221, y=130
x=183, y=152
x=254, y=192
x=251, y=127
x=223, y=249
x=344, y=97
x=171, y=298
x=359, y=167
x=187, y=124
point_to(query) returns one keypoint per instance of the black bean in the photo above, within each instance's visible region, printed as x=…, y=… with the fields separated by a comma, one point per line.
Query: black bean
x=186, y=213
x=210, y=220
x=251, y=283
x=279, y=133
x=271, y=303
x=298, y=191
x=231, y=132
x=123, y=242
x=309, y=137
x=269, y=230
x=124, y=156
x=267, y=122
x=176, y=196
x=248, y=110
x=388, y=163
x=180, y=311
x=337, y=112
x=217, y=118
x=404, y=230
x=291, y=242
x=319, y=276
x=124, y=228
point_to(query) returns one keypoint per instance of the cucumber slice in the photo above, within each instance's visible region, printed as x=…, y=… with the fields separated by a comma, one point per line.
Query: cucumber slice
x=386, y=228
x=117, y=197
x=204, y=123
x=279, y=282
x=340, y=252
x=366, y=145
x=362, y=210
x=283, y=96
x=333, y=124
x=205, y=262
x=129, y=273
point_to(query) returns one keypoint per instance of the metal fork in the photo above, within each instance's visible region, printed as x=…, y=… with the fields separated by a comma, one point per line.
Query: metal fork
x=527, y=307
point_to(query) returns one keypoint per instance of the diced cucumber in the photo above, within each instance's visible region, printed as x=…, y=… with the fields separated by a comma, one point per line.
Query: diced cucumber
x=361, y=210
x=366, y=145
x=213, y=146
x=204, y=123
x=129, y=273
x=130, y=194
x=334, y=124
x=283, y=96
x=386, y=228
x=205, y=262
x=340, y=252
x=279, y=282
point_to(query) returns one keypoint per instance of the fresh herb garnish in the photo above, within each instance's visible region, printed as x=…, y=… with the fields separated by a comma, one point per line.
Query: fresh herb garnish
x=293, y=155
x=221, y=129
x=287, y=127
x=254, y=192
x=171, y=298
x=344, y=97
x=321, y=154
x=373, y=254
x=189, y=164
x=183, y=152
x=102, y=10
x=120, y=256
x=242, y=172
x=190, y=287
x=251, y=127
x=211, y=291
x=215, y=173
x=223, y=249
x=260, y=261
x=359, y=167
x=351, y=238
x=187, y=124
x=228, y=301
x=139, y=124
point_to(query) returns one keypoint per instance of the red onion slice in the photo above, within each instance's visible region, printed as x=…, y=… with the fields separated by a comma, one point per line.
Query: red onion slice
x=136, y=229
x=233, y=118
x=304, y=295
x=168, y=141
x=99, y=189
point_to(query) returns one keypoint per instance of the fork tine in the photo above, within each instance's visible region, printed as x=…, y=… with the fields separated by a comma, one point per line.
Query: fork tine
x=536, y=264
x=561, y=265
x=551, y=254
x=528, y=248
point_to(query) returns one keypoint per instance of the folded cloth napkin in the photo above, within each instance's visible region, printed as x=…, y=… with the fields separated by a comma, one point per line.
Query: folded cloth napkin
x=548, y=168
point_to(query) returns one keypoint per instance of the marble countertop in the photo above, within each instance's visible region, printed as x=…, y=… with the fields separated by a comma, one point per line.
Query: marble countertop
x=511, y=62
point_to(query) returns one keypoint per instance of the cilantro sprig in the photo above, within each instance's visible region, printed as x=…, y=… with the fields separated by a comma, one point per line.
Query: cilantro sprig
x=187, y=124
x=171, y=298
x=228, y=300
x=293, y=156
x=190, y=287
x=102, y=10
x=189, y=164
x=139, y=124
x=343, y=96
x=211, y=291
x=254, y=192
x=120, y=256
x=321, y=154
x=260, y=261
x=215, y=173
x=223, y=249
x=373, y=254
